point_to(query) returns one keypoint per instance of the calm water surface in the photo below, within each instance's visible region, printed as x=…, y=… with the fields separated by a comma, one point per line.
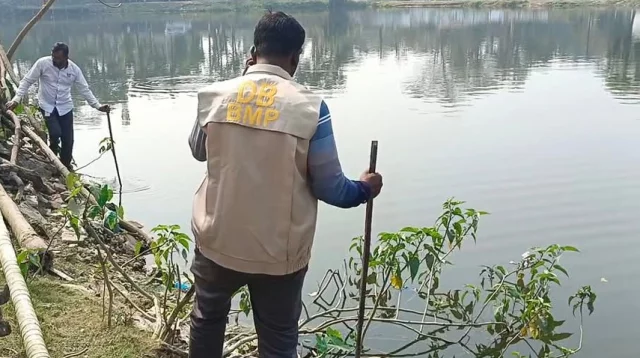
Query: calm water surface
x=531, y=115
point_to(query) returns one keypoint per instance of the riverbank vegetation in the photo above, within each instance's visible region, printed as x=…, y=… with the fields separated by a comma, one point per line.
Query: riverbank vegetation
x=85, y=264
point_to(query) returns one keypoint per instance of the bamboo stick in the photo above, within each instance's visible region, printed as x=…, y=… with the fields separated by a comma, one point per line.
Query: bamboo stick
x=27, y=238
x=25, y=314
x=366, y=253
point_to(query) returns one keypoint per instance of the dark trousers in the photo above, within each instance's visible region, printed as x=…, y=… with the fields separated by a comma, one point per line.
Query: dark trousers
x=60, y=130
x=276, y=302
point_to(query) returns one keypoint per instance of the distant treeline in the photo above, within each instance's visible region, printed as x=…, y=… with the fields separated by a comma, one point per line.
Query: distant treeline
x=74, y=3
x=136, y=6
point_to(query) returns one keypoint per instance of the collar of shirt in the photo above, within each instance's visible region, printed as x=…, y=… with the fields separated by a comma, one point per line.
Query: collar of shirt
x=272, y=69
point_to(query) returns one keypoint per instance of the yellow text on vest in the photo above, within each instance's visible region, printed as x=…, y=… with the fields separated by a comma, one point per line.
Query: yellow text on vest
x=254, y=104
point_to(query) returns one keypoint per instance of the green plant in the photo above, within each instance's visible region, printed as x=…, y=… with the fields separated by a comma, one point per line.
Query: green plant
x=510, y=308
x=331, y=342
x=509, y=311
x=28, y=260
x=170, y=241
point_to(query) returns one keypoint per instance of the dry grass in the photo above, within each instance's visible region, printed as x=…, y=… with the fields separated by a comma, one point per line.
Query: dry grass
x=72, y=323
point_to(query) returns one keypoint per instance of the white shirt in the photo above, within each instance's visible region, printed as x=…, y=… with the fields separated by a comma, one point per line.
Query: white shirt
x=55, y=86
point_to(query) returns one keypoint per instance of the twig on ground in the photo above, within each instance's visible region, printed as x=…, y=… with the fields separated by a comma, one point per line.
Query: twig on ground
x=108, y=285
x=76, y=354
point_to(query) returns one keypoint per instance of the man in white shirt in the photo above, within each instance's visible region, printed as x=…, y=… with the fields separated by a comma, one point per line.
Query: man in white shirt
x=56, y=75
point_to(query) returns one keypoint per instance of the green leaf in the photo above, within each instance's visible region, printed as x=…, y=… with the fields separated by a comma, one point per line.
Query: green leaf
x=414, y=265
x=94, y=212
x=560, y=336
x=430, y=259
x=106, y=194
x=72, y=181
x=22, y=257
x=34, y=259
x=121, y=212
x=138, y=247
x=332, y=332
x=561, y=269
x=372, y=278
x=111, y=220
x=24, y=269
x=570, y=249
x=74, y=221
x=19, y=109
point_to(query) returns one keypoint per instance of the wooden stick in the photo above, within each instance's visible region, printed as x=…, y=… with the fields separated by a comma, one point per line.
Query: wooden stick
x=115, y=160
x=366, y=254
x=17, y=136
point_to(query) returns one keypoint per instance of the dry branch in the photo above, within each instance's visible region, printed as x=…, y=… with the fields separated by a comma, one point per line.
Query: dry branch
x=7, y=66
x=93, y=234
x=4, y=90
x=17, y=136
x=25, y=30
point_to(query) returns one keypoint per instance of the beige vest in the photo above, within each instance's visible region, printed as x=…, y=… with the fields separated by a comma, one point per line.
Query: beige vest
x=254, y=212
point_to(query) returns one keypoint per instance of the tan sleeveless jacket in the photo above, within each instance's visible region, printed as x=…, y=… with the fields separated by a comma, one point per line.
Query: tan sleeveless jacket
x=254, y=212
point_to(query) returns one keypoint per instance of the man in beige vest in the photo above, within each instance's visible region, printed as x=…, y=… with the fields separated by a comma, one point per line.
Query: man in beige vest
x=271, y=155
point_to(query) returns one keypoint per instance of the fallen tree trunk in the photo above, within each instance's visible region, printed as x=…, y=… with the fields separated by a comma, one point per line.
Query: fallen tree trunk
x=25, y=314
x=24, y=233
x=64, y=172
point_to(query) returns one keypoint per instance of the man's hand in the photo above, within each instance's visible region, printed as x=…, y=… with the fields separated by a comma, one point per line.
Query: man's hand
x=374, y=180
x=104, y=108
x=11, y=105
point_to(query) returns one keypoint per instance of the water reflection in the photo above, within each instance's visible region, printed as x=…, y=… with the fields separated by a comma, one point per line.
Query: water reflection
x=462, y=53
x=549, y=156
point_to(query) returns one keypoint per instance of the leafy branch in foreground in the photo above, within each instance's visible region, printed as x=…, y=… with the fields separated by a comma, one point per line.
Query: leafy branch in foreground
x=507, y=312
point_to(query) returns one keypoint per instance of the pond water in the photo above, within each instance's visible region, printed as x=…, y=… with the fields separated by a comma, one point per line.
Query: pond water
x=533, y=116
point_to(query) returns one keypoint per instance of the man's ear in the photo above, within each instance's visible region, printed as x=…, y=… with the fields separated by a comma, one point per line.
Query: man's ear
x=295, y=59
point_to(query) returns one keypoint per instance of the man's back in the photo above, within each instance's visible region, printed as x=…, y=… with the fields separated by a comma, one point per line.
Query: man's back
x=255, y=211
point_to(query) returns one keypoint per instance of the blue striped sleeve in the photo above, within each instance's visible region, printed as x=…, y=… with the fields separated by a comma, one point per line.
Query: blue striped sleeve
x=328, y=182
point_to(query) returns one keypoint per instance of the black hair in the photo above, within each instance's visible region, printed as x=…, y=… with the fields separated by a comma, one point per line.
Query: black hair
x=61, y=46
x=278, y=34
